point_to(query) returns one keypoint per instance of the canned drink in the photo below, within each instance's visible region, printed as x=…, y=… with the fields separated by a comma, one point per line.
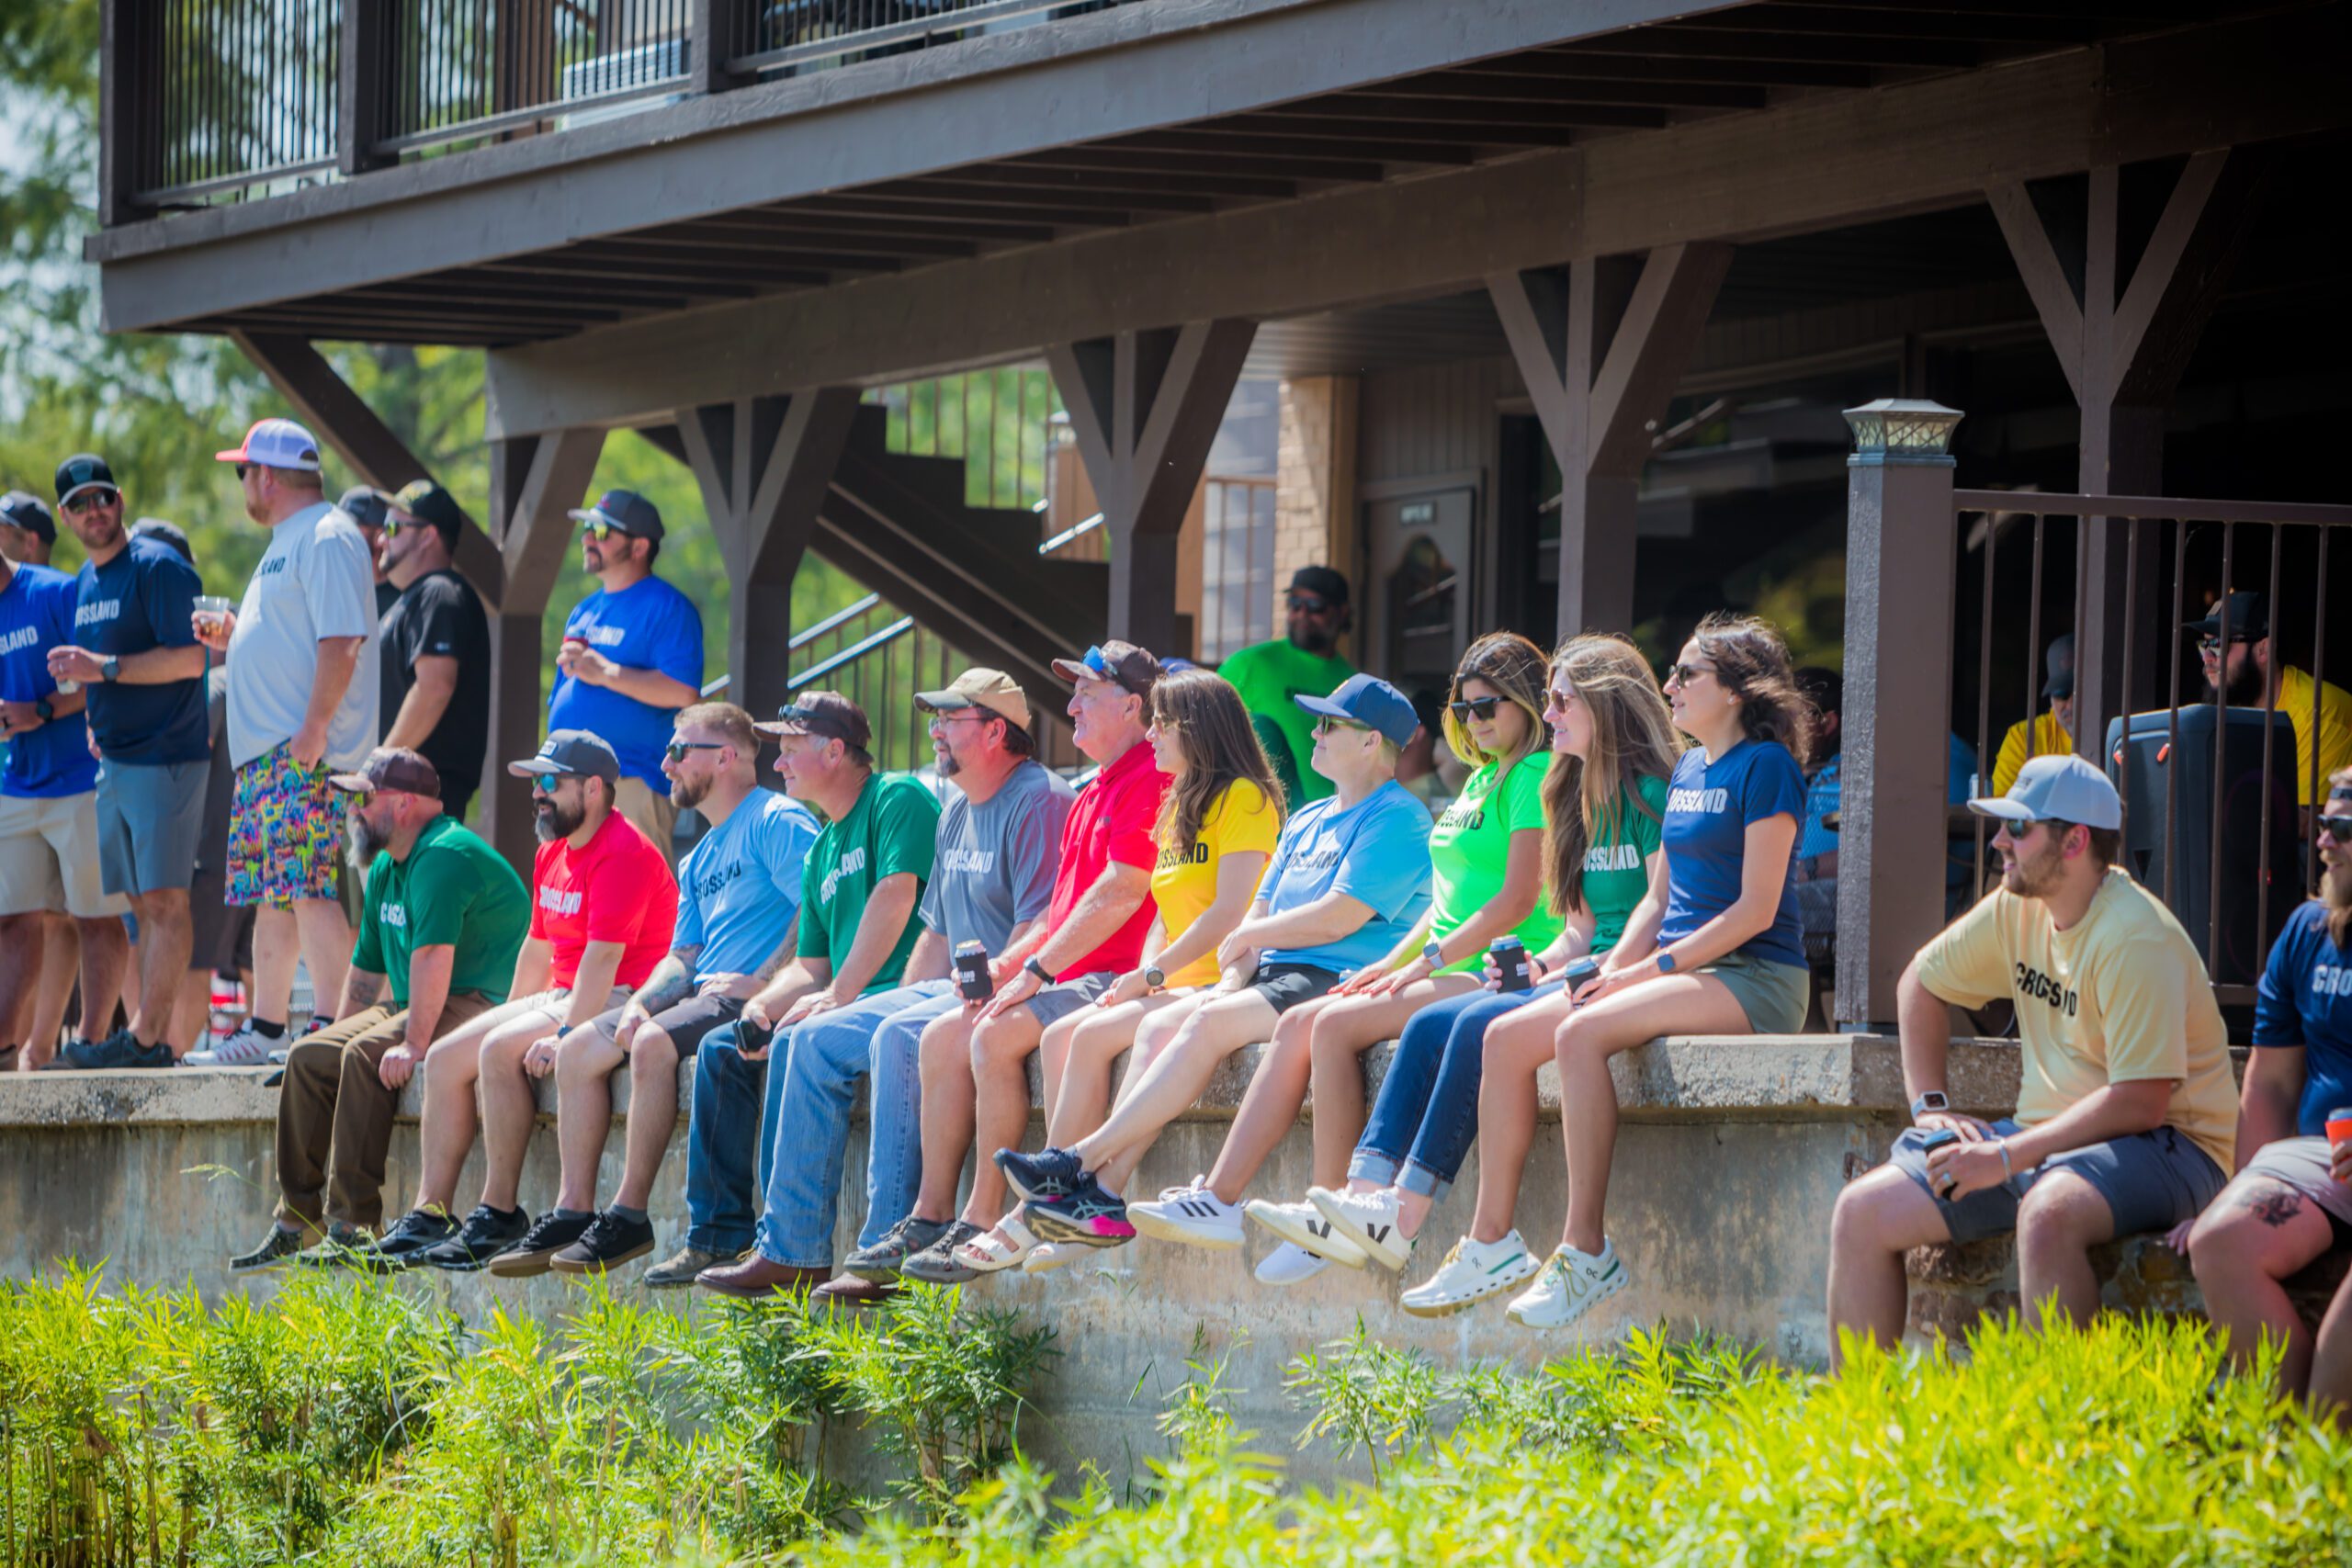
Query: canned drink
x=1511, y=962
x=2339, y=1124
x=972, y=972
x=1579, y=970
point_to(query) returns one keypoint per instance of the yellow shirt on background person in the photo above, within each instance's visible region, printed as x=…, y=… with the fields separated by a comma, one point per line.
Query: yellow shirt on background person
x=2119, y=998
x=1184, y=886
x=2049, y=738
x=2334, y=729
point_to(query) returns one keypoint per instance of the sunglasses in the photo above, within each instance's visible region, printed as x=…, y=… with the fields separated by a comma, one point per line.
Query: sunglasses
x=1683, y=674
x=2211, y=643
x=544, y=783
x=1469, y=709
x=676, y=750
x=90, y=498
x=1306, y=603
x=2337, y=828
x=1330, y=725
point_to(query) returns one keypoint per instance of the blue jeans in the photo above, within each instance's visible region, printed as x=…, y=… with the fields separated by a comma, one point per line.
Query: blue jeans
x=1421, y=1126
x=723, y=1143
x=817, y=1066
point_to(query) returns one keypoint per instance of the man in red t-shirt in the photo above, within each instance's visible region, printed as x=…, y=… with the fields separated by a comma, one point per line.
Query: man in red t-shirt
x=975, y=1062
x=604, y=904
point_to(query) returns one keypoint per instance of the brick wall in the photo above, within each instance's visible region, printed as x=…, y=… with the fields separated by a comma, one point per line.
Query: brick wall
x=1315, y=482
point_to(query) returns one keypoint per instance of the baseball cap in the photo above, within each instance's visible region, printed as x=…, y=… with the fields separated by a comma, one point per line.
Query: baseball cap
x=579, y=752
x=428, y=503
x=363, y=505
x=624, y=510
x=2061, y=785
x=2059, y=665
x=166, y=532
x=990, y=689
x=828, y=715
x=276, y=444
x=84, y=470
x=1124, y=662
x=2249, y=616
x=1368, y=699
x=1321, y=581
x=392, y=767
x=25, y=510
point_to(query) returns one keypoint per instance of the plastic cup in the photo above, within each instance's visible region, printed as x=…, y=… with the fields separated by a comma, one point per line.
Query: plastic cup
x=2339, y=1126
x=209, y=609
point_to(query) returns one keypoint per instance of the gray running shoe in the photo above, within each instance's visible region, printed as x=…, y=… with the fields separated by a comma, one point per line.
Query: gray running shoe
x=681, y=1268
x=937, y=1264
x=276, y=1248
x=881, y=1262
x=345, y=1246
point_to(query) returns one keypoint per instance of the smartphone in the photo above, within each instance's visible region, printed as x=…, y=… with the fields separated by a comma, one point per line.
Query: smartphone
x=1942, y=1137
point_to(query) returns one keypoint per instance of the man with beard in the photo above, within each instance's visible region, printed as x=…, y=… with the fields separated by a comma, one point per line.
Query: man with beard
x=739, y=893
x=1304, y=662
x=997, y=849
x=369, y=508
x=2124, y=1120
x=436, y=655
x=602, y=908
x=2285, y=1208
x=2245, y=667
x=631, y=655
x=443, y=918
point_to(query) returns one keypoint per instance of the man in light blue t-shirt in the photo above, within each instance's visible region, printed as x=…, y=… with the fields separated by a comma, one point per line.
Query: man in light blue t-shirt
x=631, y=656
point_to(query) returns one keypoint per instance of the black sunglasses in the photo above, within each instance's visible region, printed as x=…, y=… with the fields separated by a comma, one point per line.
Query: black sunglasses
x=1308, y=603
x=2337, y=828
x=676, y=750
x=1469, y=709
x=1681, y=674
x=90, y=498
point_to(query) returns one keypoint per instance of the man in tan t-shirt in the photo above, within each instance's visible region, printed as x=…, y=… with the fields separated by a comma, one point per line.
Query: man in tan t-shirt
x=2126, y=1109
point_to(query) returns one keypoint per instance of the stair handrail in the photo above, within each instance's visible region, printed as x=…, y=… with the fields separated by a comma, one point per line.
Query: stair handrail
x=850, y=655
x=1075, y=530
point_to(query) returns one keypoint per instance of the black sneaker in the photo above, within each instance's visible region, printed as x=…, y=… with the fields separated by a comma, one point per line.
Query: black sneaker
x=608, y=1241
x=1049, y=1173
x=1086, y=1215
x=535, y=1249
x=344, y=1246
x=882, y=1261
x=120, y=1049
x=485, y=1235
x=276, y=1248
x=411, y=1235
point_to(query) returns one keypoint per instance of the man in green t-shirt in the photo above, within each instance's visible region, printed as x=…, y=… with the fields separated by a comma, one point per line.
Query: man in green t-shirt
x=444, y=916
x=1304, y=663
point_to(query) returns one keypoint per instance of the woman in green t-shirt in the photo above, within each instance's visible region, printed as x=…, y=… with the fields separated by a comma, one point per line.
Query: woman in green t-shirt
x=1453, y=1080
x=1487, y=881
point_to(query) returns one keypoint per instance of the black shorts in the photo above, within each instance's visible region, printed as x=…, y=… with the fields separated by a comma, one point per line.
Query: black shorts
x=685, y=1023
x=1284, y=986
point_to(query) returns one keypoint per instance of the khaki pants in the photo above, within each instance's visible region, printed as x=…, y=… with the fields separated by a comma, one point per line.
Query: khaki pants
x=655, y=817
x=334, y=1115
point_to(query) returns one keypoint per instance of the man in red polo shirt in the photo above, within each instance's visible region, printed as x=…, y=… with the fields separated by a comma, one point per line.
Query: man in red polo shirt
x=975, y=1062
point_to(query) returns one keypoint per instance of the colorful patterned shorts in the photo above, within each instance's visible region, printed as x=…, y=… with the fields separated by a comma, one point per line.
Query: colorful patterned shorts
x=285, y=832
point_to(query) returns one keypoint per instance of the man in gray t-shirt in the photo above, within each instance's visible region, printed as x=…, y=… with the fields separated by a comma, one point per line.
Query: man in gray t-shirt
x=999, y=847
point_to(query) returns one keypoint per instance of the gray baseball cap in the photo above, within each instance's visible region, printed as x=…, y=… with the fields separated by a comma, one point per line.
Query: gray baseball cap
x=2064, y=787
x=579, y=752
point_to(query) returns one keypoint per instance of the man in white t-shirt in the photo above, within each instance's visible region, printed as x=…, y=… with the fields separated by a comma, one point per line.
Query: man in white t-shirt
x=303, y=695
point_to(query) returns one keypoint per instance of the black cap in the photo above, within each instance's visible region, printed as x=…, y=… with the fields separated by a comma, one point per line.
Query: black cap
x=392, y=767
x=624, y=510
x=828, y=715
x=165, y=532
x=80, y=472
x=2058, y=665
x=1321, y=581
x=27, y=512
x=363, y=505
x=428, y=503
x=2249, y=616
x=579, y=752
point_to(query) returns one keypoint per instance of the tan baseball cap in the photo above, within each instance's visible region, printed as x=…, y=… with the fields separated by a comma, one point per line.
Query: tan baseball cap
x=990, y=689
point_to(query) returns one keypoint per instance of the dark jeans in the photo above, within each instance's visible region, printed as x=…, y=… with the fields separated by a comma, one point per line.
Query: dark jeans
x=725, y=1158
x=1422, y=1125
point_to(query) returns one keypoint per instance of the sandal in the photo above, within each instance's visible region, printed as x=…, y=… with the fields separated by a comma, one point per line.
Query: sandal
x=1004, y=1247
x=1050, y=1256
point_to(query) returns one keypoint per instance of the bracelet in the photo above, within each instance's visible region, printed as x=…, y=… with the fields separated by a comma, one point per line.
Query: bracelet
x=2006, y=1168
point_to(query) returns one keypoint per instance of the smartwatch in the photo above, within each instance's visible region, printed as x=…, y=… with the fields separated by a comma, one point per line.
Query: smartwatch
x=1432, y=955
x=1045, y=975
x=1933, y=1100
x=112, y=669
x=42, y=710
x=1665, y=962
x=1155, y=976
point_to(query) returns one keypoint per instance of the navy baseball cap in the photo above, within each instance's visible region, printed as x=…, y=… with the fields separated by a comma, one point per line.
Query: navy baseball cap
x=24, y=511
x=84, y=470
x=624, y=510
x=579, y=752
x=1368, y=700
x=2249, y=616
x=428, y=503
x=363, y=505
x=164, y=532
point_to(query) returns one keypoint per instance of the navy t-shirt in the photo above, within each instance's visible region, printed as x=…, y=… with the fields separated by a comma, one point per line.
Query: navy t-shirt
x=1708, y=809
x=646, y=625
x=142, y=599
x=37, y=615
x=2305, y=1000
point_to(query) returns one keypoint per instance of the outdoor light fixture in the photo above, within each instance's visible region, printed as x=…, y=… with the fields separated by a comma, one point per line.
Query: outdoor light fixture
x=1901, y=429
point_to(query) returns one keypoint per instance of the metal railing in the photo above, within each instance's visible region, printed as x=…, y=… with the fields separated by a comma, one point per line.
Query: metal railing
x=879, y=659
x=220, y=95
x=2211, y=817
x=801, y=34
x=461, y=69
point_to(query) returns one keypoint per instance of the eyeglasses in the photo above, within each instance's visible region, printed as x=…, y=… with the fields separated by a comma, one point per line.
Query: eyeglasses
x=90, y=498
x=1307, y=604
x=1469, y=709
x=1683, y=674
x=2211, y=643
x=392, y=526
x=600, y=532
x=544, y=783
x=676, y=750
x=1327, y=725
x=2337, y=828
x=936, y=719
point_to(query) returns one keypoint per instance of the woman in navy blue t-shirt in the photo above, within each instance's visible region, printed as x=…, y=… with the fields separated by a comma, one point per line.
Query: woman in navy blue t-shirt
x=1730, y=955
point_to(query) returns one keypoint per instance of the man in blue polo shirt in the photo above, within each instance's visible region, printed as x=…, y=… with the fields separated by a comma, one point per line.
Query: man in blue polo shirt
x=631, y=656
x=48, y=827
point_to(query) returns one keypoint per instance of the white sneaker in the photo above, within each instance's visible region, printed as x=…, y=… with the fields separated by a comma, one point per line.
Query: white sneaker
x=1471, y=1273
x=1368, y=1219
x=244, y=1049
x=1570, y=1284
x=1190, y=1213
x=1288, y=1265
x=1303, y=1226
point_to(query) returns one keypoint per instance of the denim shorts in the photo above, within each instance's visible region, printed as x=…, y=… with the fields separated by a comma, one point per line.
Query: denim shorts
x=2151, y=1181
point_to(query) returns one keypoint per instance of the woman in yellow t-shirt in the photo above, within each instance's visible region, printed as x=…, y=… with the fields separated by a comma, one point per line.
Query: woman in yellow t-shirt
x=1217, y=825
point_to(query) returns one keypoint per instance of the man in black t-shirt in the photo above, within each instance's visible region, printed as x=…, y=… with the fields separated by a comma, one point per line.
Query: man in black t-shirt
x=435, y=662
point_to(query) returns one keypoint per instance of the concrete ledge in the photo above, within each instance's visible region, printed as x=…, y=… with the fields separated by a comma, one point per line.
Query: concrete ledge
x=1953, y=1287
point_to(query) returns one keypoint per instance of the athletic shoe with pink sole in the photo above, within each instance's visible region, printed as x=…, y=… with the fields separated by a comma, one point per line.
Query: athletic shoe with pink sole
x=1086, y=1215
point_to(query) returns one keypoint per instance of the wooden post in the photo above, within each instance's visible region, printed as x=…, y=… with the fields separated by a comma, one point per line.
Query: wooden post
x=1601, y=349
x=1893, y=758
x=1144, y=407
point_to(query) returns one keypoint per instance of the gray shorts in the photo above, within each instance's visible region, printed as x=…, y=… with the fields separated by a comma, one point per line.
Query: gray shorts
x=2151, y=1181
x=150, y=817
x=1774, y=994
x=1055, y=1003
x=685, y=1023
x=2301, y=1164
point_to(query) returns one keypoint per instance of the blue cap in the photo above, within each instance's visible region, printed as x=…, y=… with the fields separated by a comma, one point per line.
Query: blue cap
x=2061, y=786
x=626, y=510
x=1368, y=699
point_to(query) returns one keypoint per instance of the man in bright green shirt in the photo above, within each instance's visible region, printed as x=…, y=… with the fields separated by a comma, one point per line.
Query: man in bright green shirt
x=1304, y=663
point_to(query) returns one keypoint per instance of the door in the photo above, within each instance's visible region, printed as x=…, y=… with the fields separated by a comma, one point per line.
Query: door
x=1419, y=548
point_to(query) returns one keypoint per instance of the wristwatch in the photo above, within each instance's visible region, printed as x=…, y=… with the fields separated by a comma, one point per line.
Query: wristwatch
x=1665, y=962
x=1432, y=955
x=42, y=709
x=112, y=669
x=1155, y=976
x=1045, y=975
x=1933, y=1100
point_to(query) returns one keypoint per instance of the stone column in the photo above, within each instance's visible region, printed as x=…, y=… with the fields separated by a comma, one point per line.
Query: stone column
x=1315, y=484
